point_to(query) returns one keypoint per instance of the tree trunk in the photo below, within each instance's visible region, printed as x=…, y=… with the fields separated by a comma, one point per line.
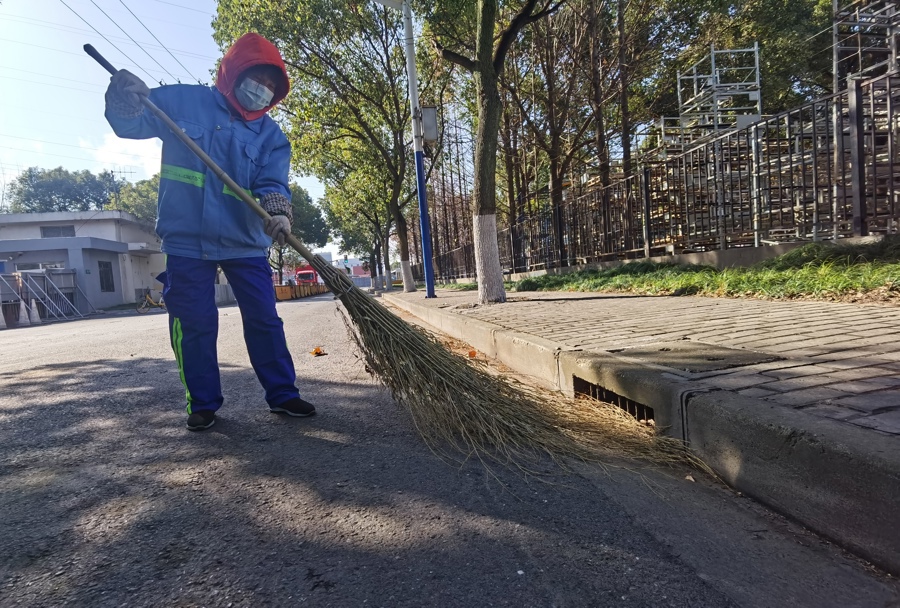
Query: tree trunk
x=409, y=283
x=380, y=270
x=280, y=265
x=512, y=196
x=599, y=40
x=556, y=202
x=623, y=93
x=385, y=251
x=487, y=252
x=509, y=167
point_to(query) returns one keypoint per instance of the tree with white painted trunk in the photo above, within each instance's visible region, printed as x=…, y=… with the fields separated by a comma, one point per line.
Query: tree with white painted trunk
x=450, y=23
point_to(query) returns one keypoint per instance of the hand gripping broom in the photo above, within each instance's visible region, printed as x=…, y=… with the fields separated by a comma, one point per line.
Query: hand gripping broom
x=454, y=403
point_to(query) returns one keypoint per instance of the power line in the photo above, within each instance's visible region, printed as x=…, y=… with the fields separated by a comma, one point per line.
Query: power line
x=48, y=84
x=147, y=53
x=33, y=111
x=7, y=168
x=827, y=29
x=130, y=41
x=54, y=76
x=187, y=8
x=87, y=160
x=71, y=28
x=158, y=40
x=108, y=40
x=55, y=143
x=46, y=48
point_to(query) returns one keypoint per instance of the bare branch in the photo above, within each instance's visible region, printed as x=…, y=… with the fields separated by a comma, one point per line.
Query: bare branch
x=454, y=57
x=522, y=18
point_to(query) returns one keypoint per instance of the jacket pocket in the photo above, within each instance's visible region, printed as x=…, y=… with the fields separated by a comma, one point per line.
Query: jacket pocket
x=193, y=131
x=180, y=155
x=253, y=159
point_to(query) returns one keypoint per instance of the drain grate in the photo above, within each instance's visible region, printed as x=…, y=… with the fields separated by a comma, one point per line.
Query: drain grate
x=640, y=411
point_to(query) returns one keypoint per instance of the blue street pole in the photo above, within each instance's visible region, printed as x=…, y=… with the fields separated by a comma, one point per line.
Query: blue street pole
x=418, y=148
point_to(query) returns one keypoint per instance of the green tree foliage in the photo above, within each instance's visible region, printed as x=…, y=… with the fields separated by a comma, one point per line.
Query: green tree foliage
x=309, y=223
x=309, y=226
x=357, y=206
x=139, y=199
x=38, y=190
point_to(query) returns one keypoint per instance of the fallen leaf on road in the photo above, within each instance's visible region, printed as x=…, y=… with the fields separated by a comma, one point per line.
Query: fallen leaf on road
x=318, y=352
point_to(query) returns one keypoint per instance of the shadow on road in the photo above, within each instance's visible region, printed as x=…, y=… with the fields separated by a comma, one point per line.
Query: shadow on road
x=106, y=499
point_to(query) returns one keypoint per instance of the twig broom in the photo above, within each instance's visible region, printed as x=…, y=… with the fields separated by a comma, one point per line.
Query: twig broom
x=454, y=403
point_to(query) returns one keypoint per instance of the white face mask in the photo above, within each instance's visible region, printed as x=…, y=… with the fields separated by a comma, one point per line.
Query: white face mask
x=253, y=95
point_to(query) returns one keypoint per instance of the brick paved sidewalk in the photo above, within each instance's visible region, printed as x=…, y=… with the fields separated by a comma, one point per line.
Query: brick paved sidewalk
x=840, y=361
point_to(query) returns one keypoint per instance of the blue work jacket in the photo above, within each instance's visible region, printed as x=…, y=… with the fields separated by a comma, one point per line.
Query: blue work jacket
x=198, y=216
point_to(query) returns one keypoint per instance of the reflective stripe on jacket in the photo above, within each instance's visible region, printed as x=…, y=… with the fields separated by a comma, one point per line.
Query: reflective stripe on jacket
x=198, y=216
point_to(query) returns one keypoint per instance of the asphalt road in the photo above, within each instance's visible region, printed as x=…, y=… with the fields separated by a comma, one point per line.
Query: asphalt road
x=107, y=500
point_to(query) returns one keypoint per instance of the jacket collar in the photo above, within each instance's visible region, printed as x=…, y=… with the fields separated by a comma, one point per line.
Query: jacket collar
x=254, y=125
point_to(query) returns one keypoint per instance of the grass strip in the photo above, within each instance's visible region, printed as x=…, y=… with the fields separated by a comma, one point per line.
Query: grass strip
x=824, y=270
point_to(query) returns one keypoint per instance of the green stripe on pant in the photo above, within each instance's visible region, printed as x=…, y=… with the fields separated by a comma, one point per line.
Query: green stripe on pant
x=177, y=336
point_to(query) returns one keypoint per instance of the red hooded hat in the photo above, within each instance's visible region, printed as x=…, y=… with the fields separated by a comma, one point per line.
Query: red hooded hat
x=248, y=51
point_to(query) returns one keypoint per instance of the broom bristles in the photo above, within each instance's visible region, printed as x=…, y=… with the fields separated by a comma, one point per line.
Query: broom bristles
x=455, y=403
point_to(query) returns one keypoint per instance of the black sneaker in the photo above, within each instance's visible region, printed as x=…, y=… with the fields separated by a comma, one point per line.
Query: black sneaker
x=199, y=421
x=294, y=407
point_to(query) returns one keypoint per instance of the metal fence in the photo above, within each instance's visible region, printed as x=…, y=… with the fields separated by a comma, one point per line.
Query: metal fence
x=52, y=293
x=826, y=170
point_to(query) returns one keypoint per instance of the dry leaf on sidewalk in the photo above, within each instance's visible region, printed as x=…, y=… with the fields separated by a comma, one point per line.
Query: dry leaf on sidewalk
x=318, y=351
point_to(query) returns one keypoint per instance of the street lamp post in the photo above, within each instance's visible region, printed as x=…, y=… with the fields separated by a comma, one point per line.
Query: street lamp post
x=418, y=137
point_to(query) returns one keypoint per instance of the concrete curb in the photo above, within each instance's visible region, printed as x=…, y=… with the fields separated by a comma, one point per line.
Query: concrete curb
x=837, y=479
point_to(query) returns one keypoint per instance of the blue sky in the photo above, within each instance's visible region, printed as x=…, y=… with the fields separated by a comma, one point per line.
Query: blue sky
x=51, y=92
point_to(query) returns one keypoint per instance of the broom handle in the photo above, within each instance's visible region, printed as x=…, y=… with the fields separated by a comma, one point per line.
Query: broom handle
x=291, y=240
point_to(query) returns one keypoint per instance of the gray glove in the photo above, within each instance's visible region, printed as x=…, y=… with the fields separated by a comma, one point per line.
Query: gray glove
x=278, y=227
x=123, y=97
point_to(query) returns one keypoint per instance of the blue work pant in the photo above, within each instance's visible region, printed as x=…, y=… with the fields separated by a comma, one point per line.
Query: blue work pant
x=189, y=293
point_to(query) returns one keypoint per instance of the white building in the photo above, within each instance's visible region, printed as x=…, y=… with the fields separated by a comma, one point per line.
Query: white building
x=112, y=256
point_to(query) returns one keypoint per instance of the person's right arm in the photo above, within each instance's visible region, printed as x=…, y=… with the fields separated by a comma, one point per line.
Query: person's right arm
x=124, y=111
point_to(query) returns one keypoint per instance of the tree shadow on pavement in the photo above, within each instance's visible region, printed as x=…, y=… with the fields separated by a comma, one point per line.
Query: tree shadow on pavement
x=107, y=500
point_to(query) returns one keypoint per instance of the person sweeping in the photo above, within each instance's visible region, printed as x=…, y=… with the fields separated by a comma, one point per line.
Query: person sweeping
x=204, y=225
x=455, y=405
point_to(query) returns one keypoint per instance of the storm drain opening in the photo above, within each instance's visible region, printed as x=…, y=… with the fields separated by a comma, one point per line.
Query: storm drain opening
x=643, y=413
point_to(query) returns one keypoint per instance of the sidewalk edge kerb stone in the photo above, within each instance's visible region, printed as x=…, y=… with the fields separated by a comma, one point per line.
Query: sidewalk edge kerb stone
x=841, y=481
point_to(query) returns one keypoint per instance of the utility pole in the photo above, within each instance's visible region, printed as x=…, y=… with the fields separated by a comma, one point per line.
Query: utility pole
x=418, y=139
x=116, y=188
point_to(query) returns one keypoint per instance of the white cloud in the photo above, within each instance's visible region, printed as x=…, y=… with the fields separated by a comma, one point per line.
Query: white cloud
x=141, y=154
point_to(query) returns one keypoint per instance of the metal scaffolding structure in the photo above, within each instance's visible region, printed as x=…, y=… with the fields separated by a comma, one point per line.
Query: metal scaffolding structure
x=865, y=39
x=721, y=91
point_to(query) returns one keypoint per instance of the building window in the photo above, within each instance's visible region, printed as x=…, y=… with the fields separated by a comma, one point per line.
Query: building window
x=38, y=265
x=106, y=277
x=53, y=232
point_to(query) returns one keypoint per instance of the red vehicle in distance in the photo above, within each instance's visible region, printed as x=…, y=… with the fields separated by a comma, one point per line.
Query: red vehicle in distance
x=306, y=275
